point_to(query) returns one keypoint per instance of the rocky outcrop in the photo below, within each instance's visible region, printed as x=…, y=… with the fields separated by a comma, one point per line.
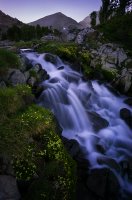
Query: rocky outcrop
x=8, y=188
x=109, y=56
x=86, y=22
x=58, y=21
x=16, y=77
x=124, y=81
x=50, y=37
x=82, y=34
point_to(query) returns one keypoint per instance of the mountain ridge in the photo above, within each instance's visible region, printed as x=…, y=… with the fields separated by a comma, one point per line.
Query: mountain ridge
x=57, y=20
x=7, y=21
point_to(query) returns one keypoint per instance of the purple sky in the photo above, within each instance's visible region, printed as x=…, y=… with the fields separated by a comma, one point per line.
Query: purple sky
x=30, y=10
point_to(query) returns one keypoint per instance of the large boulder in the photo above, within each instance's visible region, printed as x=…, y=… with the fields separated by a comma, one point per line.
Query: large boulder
x=8, y=188
x=16, y=77
x=51, y=58
x=111, y=55
x=82, y=34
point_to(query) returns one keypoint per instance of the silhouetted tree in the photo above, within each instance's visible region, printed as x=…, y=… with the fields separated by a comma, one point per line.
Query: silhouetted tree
x=93, y=16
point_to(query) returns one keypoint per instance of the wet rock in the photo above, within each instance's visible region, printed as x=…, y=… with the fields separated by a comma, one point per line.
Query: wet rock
x=54, y=80
x=128, y=101
x=100, y=148
x=37, y=90
x=16, y=77
x=27, y=75
x=42, y=75
x=37, y=67
x=23, y=65
x=8, y=188
x=103, y=183
x=2, y=84
x=31, y=81
x=51, y=58
x=72, y=146
x=60, y=68
x=103, y=160
x=97, y=121
x=126, y=115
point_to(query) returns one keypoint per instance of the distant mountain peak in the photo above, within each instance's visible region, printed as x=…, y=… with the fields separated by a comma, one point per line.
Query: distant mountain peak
x=57, y=20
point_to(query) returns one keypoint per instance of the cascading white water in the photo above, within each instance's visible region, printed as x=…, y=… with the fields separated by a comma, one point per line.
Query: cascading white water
x=71, y=99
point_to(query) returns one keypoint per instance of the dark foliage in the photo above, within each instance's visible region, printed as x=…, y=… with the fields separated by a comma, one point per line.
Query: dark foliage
x=28, y=33
x=119, y=29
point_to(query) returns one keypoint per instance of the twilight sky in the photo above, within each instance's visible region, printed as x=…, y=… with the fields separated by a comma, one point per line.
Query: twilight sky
x=30, y=10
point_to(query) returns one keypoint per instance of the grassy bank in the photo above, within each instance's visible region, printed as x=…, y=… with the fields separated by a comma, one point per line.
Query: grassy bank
x=29, y=137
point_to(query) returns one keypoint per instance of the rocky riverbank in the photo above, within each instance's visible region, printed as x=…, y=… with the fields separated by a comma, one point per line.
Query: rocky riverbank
x=106, y=62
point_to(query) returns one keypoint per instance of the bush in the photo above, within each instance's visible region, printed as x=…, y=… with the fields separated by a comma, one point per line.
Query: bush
x=8, y=59
x=118, y=29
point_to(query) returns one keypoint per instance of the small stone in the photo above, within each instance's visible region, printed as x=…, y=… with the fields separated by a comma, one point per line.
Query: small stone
x=60, y=68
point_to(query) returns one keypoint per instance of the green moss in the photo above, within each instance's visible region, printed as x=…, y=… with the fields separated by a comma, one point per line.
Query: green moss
x=8, y=59
x=29, y=44
x=67, y=51
x=12, y=99
x=109, y=74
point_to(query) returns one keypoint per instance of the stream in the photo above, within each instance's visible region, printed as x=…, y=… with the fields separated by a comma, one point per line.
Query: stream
x=89, y=113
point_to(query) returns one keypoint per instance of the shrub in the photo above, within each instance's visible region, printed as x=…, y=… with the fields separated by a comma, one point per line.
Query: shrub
x=8, y=59
x=118, y=29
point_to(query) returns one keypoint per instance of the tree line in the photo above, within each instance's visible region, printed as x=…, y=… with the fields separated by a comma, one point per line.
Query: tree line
x=116, y=21
x=27, y=32
x=112, y=8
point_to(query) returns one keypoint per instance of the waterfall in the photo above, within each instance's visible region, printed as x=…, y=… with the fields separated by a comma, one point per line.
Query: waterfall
x=73, y=102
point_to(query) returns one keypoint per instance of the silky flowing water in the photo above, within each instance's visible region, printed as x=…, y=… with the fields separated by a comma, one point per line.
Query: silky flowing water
x=71, y=100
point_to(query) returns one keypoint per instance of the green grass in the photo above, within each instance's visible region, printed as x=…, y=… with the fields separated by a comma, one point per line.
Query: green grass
x=29, y=136
x=8, y=60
